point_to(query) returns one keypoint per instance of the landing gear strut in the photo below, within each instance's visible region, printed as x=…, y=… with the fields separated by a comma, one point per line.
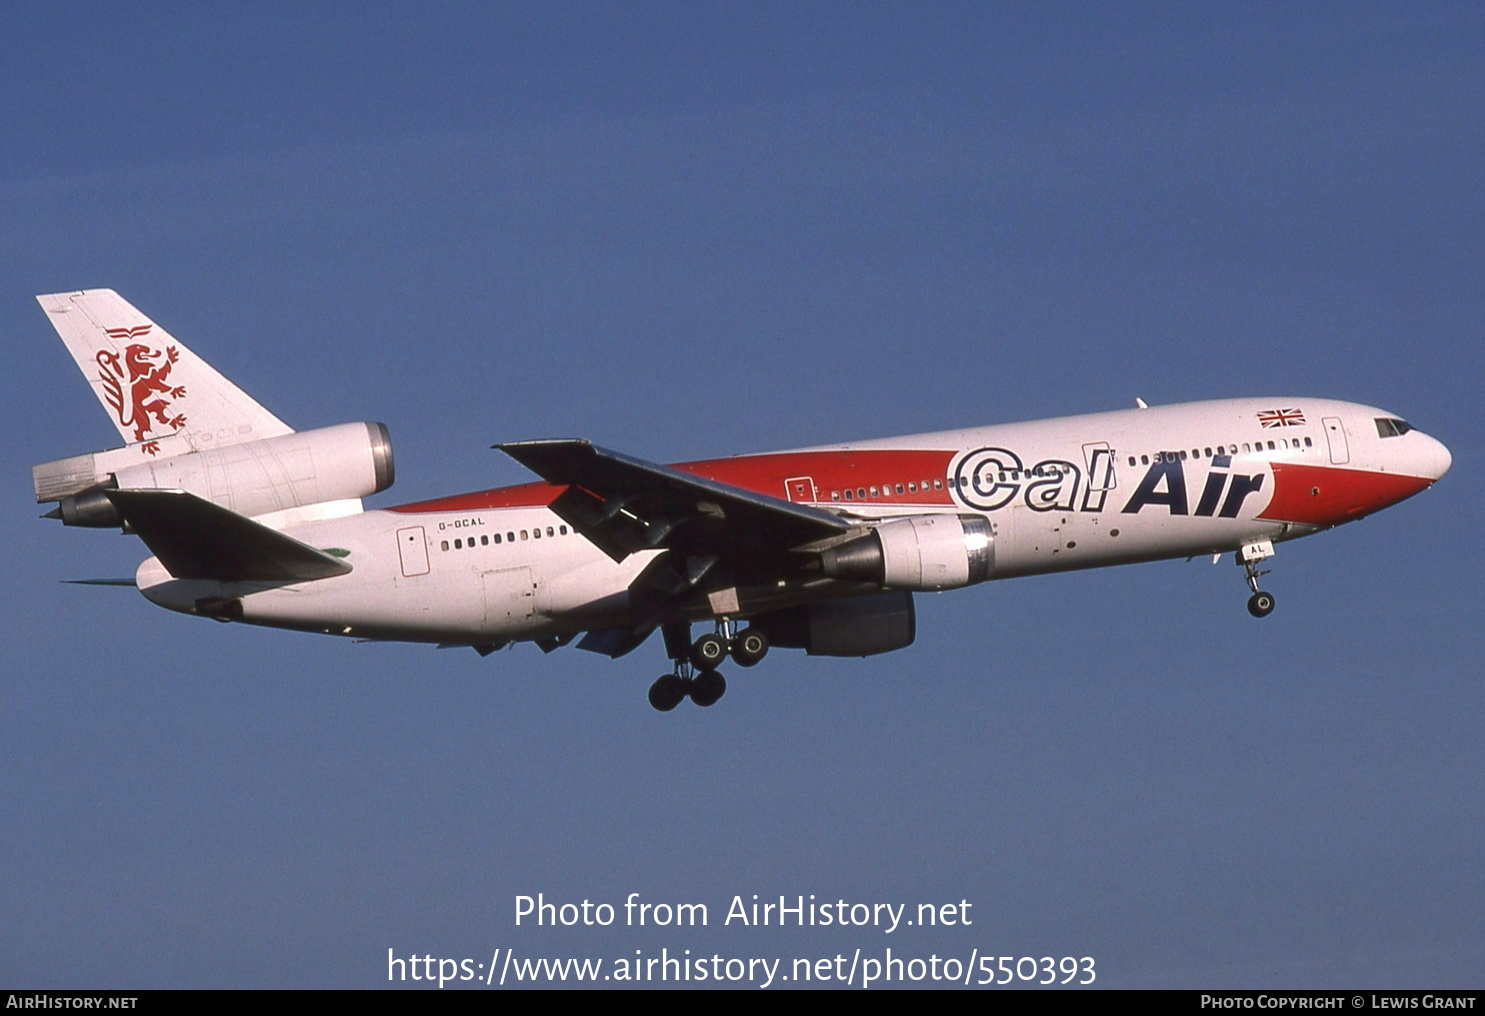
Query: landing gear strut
x=1260, y=604
x=695, y=663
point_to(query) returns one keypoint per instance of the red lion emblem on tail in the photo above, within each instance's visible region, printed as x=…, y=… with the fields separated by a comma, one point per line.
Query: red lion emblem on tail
x=137, y=385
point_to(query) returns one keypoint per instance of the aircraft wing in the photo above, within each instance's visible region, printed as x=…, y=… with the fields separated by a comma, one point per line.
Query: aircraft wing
x=196, y=539
x=623, y=504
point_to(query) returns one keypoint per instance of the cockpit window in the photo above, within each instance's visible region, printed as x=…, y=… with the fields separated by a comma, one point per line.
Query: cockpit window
x=1392, y=428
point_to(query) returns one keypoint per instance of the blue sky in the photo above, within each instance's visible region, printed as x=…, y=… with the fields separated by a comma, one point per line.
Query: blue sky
x=691, y=230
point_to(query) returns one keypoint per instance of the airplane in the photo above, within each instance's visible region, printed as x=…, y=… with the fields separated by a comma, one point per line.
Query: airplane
x=819, y=549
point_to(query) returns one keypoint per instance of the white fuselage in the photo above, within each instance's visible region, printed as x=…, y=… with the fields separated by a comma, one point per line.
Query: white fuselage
x=1061, y=494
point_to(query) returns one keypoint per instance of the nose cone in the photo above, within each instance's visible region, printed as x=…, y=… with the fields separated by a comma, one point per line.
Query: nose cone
x=1436, y=459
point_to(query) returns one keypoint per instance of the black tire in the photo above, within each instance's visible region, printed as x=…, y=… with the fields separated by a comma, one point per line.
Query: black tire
x=749, y=647
x=666, y=693
x=1261, y=604
x=708, y=652
x=707, y=687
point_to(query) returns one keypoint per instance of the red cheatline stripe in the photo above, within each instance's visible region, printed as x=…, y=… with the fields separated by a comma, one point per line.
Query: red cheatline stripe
x=763, y=474
x=1328, y=496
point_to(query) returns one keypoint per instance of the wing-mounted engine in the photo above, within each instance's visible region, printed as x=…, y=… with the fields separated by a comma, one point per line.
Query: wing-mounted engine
x=926, y=552
x=254, y=478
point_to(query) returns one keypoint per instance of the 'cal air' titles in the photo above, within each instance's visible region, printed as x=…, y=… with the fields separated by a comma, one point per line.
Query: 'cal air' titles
x=988, y=479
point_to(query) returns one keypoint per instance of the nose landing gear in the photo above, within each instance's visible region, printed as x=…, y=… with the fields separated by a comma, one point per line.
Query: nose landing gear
x=695, y=663
x=1260, y=604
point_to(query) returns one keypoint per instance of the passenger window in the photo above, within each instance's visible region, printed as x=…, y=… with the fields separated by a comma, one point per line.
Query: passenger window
x=458, y=544
x=523, y=534
x=848, y=495
x=497, y=537
x=938, y=484
x=551, y=531
x=484, y=541
x=835, y=495
x=562, y=530
x=444, y=545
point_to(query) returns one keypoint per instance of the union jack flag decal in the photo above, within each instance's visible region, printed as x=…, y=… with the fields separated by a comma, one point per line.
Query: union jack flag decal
x=1282, y=417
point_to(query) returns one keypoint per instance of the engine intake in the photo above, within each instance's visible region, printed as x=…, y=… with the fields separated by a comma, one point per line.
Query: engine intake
x=926, y=552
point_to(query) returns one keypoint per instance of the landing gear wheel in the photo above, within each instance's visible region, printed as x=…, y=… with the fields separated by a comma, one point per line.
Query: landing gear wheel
x=1261, y=604
x=749, y=647
x=708, y=652
x=666, y=693
x=707, y=687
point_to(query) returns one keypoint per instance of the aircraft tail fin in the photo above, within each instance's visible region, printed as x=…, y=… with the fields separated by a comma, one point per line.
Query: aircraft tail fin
x=196, y=539
x=164, y=399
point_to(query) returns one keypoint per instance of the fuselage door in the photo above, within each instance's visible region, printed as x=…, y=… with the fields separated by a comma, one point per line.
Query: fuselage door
x=412, y=547
x=1100, y=461
x=510, y=596
x=1335, y=435
x=800, y=489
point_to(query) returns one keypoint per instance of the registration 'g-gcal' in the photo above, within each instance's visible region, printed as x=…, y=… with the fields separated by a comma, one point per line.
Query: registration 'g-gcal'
x=818, y=549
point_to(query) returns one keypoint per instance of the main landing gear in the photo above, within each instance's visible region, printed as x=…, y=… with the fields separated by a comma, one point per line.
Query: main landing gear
x=696, y=663
x=1260, y=604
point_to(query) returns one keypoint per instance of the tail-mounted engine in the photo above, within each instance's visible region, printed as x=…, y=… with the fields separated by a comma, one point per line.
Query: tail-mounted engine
x=351, y=460
x=927, y=552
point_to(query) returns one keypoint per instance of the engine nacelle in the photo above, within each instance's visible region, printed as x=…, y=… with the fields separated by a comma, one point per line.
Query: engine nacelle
x=864, y=626
x=926, y=552
x=350, y=460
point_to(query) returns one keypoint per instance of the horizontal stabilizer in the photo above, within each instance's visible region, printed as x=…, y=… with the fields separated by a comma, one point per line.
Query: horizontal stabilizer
x=196, y=539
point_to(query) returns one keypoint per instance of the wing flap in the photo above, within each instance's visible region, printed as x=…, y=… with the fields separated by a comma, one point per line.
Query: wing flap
x=196, y=539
